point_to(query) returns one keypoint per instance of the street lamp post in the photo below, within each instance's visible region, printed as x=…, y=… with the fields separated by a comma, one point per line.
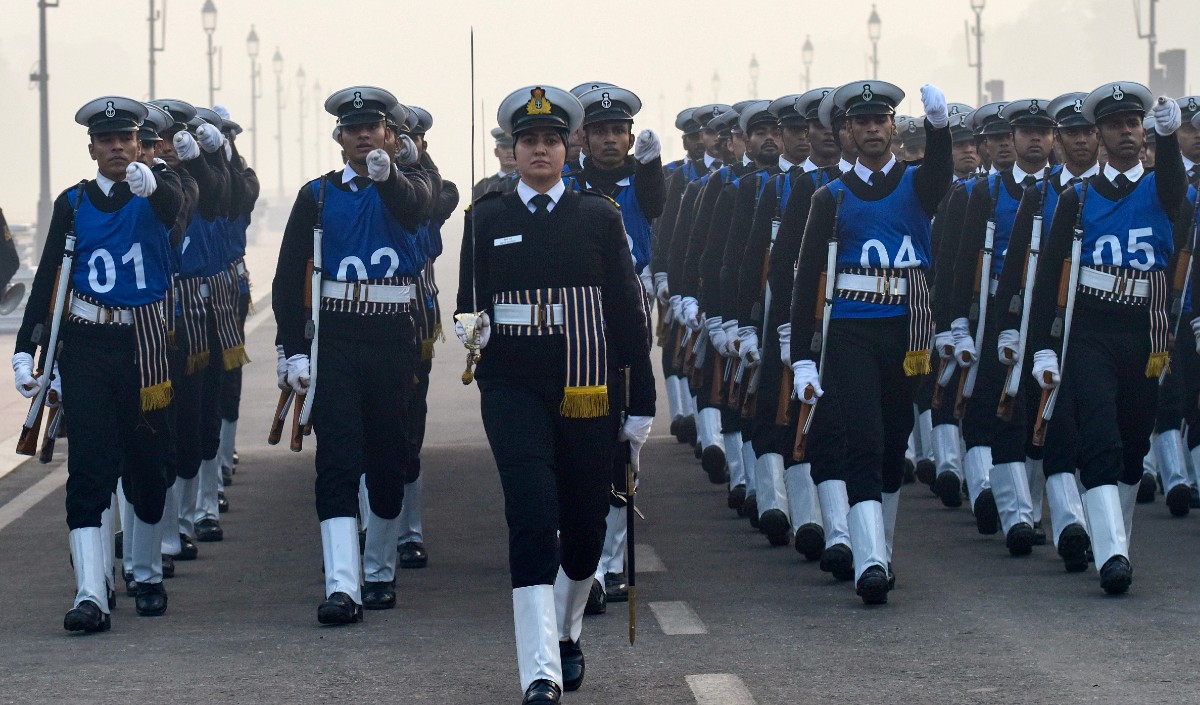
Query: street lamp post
x=45, y=206
x=208, y=14
x=255, y=92
x=977, y=64
x=301, y=110
x=277, y=64
x=806, y=55
x=157, y=43
x=317, y=125
x=687, y=93
x=874, y=26
x=753, y=76
x=716, y=85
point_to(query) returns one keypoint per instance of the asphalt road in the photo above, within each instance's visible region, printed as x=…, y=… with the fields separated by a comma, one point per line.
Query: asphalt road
x=724, y=619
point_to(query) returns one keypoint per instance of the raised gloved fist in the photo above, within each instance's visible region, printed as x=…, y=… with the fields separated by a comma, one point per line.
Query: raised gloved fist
x=716, y=331
x=660, y=287
x=298, y=376
x=943, y=343
x=406, y=151
x=281, y=368
x=26, y=383
x=785, y=343
x=1006, y=346
x=379, y=165
x=636, y=430
x=933, y=100
x=748, y=346
x=222, y=111
x=140, y=179
x=648, y=147
x=483, y=325
x=185, y=145
x=1045, y=369
x=806, y=382
x=209, y=137
x=964, y=344
x=1167, y=116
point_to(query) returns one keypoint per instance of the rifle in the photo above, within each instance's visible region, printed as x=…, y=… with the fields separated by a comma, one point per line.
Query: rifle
x=764, y=288
x=298, y=434
x=312, y=329
x=53, y=425
x=1012, y=383
x=827, y=285
x=630, y=521
x=1068, y=285
x=983, y=275
x=1181, y=280
x=286, y=397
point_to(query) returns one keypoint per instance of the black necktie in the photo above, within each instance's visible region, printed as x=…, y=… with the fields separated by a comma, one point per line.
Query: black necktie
x=361, y=182
x=1075, y=180
x=540, y=203
x=876, y=178
x=1028, y=181
x=1121, y=182
x=1194, y=172
x=716, y=165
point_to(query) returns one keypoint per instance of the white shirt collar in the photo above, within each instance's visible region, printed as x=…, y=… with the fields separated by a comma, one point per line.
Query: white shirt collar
x=865, y=174
x=1187, y=164
x=105, y=183
x=502, y=173
x=993, y=170
x=808, y=166
x=708, y=160
x=746, y=160
x=1065, y=175
x=348, y=175
x=844, y=166
x=527, y=192
x=1019, y=174
x=785, y=165
x=1134, y=174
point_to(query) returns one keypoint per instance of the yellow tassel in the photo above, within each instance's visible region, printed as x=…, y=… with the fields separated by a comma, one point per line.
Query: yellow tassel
x=427, y=349
x=171, y=340
x=197, y=362
x=234, y=357
x=1158, y=362
x=439, y=334
x=157, y=397
x=584, y=402
x=916, y=362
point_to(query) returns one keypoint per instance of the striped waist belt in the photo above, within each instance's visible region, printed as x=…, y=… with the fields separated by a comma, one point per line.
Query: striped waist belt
x=368, y=293
x=100, y=314
x=1119, y=285
x=538, y=315
x=886, y=285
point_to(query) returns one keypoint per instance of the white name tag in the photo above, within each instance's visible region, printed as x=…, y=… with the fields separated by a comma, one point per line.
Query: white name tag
x=511, y=239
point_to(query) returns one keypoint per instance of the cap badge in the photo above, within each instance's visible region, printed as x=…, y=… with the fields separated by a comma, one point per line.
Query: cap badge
x=1191, y=106
x=912, y=126
x=606, y=103
x=1000, y=110
x=716, y=111
x=1079, y=105
x=1034, y=108
x=1118, y=94
x=538, y=103
x=109, y=110
x=358, y=101
x=954, y=110
x=867, y=95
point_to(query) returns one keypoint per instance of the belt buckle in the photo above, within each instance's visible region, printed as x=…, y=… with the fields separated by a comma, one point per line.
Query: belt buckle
x=883, y=285
x=106, y=314
x=356, y=291
x=537, y=315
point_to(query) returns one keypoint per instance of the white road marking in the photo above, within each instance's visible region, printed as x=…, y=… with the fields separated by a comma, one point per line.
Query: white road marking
x=23, y=502
x=648, y=560
x=719, y=689
x=262, y=313
x=675, y=618
x=9, y=460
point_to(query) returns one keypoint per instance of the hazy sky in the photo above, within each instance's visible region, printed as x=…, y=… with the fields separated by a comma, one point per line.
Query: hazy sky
x=653, y=47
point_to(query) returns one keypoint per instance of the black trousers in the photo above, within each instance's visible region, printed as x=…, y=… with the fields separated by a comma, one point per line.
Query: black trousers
x=766, y=435
x=980, y=425
x=1106, y=404
x=110, y=436
x=418, y=411
x=860, y=428
x=231, y=380
x=556, y=473
x=944, y=414
x=197, y=397
x=668, y=351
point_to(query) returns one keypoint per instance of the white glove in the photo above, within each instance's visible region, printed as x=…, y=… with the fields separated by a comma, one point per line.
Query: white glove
x=281, y=368
x=785, y=343
x=379, y=165
x=636, y=430
x=943, y=343
x=56, y=386
x=716, y=331
x=647, y=281
x=1196, y=326
x=27, y=384
x=964, y=344
x=228, y=147
x=1046, y=361
x=691, y=313
x=1007, y=346
x=185, y=145
x=676, y=303
x=730, y=329
x=483, y=325
x=1167, y=116
x=222, y=111
x=748, y=349
x=804, y=375
x=298, y=373
x=140, y=179
x=209, y=137
x=406, y=151
x=648, y=147
x=660, y=287
x=933, y=100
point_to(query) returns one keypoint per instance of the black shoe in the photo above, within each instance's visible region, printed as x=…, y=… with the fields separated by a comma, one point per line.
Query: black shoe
x=1116, y=575
x=675, y=428
x=838, y=559
x=810, y=541
x=119, y=544
x=1147, y=489
x=226, y=476
x=222, y=503
x=910, y=472
x=891, y=578
x=926, y=471
x=687, y=429
x=597, y=602
x=187, y=549
x=168, y=566
x=413, y=555
x=1179, y=500
x=362, y=541
x=872, y=587
x=338, y=608
x=86, y=617
x=1194, y=501
x=572, y=664
x=712, y=459
x=698, y=449
x=774, y=522
x=209, y=530
x=615, y=589
x=750, y=510
x=378, y=595
x=987, y=518
x=542, y=691
x=131, y=585
x=1019, y=540
x=235, y=459
x=151, y=600
x=948, y=487
x=109, y=592
x=1073, y=545
x=1039, y=534
x=737, y=496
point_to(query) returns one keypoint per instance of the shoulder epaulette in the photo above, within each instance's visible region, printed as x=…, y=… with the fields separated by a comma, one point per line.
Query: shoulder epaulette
x=487, y=196
x=600, y=195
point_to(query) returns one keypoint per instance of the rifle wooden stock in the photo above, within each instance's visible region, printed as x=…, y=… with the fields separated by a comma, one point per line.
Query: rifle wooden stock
x=1005, y=408
x=960, y=402
x=681, y=347
x=750, y=399
x=1039, y=425
x=47, y=452
x=801, y=436
x=938, y=390
x=297, y=442
x=718, y=384
x=276, y=432
x=785, y=397
x=27, y=441
x=660, y=330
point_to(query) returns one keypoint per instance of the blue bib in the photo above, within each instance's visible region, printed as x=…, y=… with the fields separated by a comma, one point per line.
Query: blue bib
x=362, y=241
x=637, y=225
x=122, y=259
x=199, y=251
x=1133, y=232
x=235, y=238
x=1006, y=216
